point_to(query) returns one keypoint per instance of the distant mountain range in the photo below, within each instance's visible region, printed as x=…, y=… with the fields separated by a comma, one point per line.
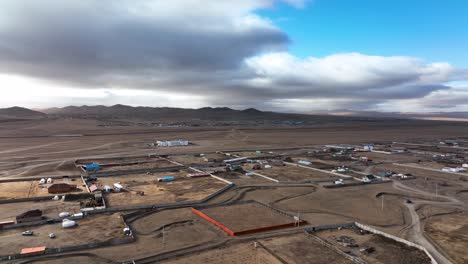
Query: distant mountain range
x=175, y=114
x=20, y=113
x=124, y=112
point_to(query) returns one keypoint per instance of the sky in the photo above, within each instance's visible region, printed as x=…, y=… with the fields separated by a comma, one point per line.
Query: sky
x=281, y=55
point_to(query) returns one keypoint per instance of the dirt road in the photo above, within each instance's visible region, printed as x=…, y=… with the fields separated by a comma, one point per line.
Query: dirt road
x=417, y=236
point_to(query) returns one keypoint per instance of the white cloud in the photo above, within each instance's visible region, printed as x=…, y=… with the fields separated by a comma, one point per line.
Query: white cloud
x=349, y=75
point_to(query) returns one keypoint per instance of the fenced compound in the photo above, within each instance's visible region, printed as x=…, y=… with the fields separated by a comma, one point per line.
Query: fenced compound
x=311, y=230
x=258, y=217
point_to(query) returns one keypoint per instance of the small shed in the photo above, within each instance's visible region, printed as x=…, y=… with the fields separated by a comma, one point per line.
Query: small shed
x=92, y=167
x=118, y=187
x=33, y=251
x=166, y=179
x=29, y=216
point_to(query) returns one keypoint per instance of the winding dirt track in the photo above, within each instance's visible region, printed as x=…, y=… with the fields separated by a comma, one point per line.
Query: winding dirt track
x=416, y=230
x=417, y=236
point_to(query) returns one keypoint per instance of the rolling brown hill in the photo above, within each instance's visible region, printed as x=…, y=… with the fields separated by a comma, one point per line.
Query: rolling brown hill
x=123, y=112
x=20, y=113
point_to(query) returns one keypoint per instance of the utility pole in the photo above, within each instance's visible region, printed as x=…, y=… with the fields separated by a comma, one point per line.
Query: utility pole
x=164, y=237
x=382, y=202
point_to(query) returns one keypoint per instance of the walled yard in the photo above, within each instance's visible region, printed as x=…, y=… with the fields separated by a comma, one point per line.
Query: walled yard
x=89, y=229
x=330, y=164
x=292, y=173
x=239, y=178
x=394, y=158
x=254, y=217
x=197, y=159
x=451, y=233
x=428, y=180
x=182, y=228
x=385, y=251
x=143, y=189
x=300, y=248
x=117, y=160
x=357, y=202
x=50, y=209
x=244, y=253
x=141, y=166
x=30, y=189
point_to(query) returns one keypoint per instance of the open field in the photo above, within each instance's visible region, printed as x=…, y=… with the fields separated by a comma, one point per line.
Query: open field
x=89, y=229
x=451, y=233
x=239, y=178
x=29, y=189
x=255, y=217
x=50, y=209
x=106, y=161
x=387, y=251
x=358, y=202
x=142, y=189
x=293, y=173
x=238, y=253
x=141, y=166
x=196, y=159
x=252, y=154
x=302, y=249
x=41, y=152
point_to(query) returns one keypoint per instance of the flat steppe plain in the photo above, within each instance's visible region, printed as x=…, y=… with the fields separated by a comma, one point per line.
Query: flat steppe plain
x=49, y=147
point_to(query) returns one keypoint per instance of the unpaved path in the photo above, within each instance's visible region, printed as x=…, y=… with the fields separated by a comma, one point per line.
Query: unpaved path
x=417, y=236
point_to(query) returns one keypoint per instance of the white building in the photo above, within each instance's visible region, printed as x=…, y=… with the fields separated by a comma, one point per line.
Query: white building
x=172, y=143
x=455, y=170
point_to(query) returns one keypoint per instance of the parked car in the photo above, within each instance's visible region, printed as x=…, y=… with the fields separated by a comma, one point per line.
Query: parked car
x=27, y=233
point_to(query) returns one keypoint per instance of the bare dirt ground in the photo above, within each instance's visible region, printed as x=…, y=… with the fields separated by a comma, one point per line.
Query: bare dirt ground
x=292, y=173
x=182, y=229
x=254, y=216
x=386, y=250
x=38, y=148
x=182, y=188
x=238, y=253
x=50, y=209
x=358, y=202
x=92, y=229
x=105, y=161
x=302, y=249
x=141, y=166
x=451, y=233
x=196, y=159
x=239, y=178
x=29, y=189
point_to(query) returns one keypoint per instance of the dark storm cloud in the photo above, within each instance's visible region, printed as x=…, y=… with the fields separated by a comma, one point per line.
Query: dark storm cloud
x=220, y=50
x=84, y=46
